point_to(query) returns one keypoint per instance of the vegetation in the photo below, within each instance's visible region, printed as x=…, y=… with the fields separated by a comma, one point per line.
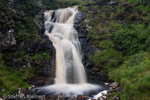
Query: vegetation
x=134, y=75
x=12, y=79
x=55, y=4
x=121, y=33
x=18, y=66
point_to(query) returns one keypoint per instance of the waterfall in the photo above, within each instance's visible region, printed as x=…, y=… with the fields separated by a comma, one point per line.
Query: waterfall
x=70, y=74
x=60, y=30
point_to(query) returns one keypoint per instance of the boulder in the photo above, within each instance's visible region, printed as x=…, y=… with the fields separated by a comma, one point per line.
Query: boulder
x=103, y=98
x=115, y=98
x=59, y=97
x=81, y=97
x=114, y=85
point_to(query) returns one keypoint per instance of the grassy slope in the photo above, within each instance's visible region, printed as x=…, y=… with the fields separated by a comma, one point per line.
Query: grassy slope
x=122, y=33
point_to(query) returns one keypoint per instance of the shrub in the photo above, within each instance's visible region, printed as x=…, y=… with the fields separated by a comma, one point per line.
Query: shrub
x=131, y=38
x=108, y=58
x=134, y=75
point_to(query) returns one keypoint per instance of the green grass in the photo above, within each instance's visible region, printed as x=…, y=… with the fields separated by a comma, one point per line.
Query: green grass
x=134, y=76
x=12, y=79
x=122, y=37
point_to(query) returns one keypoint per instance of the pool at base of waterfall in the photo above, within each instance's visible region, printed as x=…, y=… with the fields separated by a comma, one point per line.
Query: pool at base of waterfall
x=70, y=90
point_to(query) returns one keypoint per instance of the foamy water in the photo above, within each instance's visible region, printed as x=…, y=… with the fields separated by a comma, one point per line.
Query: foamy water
x=69, y=90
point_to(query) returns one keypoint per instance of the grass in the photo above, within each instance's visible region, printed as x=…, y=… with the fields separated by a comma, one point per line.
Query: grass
x=134, y=75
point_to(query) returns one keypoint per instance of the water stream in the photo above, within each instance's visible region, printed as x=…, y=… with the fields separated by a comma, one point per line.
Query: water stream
x=69, y=68
x=70, y=73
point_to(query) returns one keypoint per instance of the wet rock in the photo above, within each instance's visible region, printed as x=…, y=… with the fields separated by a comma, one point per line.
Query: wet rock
x=115, y=98
x=59, y=97
x=113, y=3
x=114, y=85
x=7, y=40
x=104, y=96
x=40, y=80
x=117, y=88
x=81, y=97
x=113, y=90
x=53, y=16
x=110, y=90
x=78, y=18
x=101, y=98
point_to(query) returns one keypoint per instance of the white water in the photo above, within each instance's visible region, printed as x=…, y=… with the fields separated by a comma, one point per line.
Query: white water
x=69, y=68
x=70, y=74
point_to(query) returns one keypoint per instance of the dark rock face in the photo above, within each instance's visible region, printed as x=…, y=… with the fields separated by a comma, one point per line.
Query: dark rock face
x=39, y=20
x=87, y=48
x=78, y=18
x=46, y=75
x=7, y=40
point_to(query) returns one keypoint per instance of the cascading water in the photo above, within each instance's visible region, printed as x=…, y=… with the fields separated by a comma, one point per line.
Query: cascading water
x=70, y=73
x=69, y=68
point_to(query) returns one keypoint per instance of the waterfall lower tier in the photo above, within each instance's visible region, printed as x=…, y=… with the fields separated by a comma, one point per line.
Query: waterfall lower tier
x=69, y=68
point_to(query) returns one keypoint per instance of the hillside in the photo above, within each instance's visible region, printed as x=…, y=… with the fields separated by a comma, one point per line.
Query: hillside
x=117, y=33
